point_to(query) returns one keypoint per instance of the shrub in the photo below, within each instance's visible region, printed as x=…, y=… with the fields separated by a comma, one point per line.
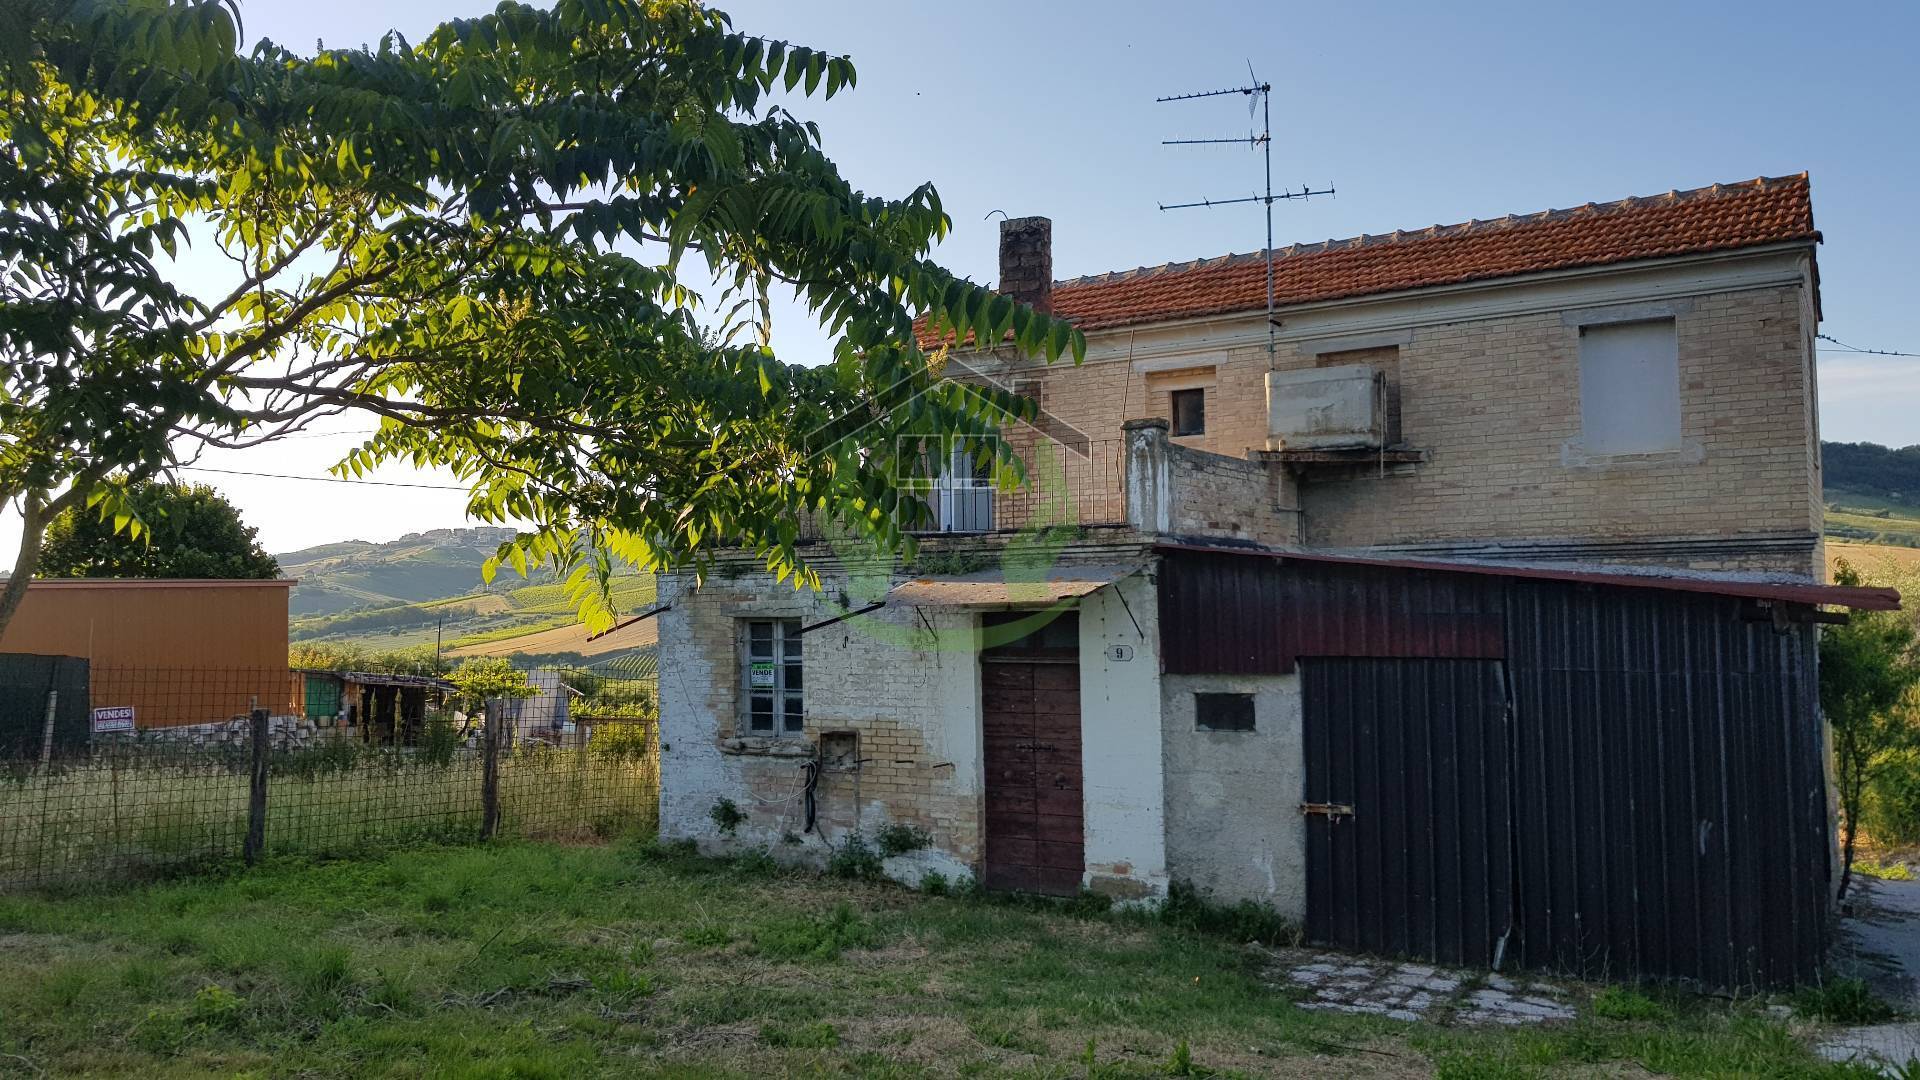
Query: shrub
x=812, y=938
x=1891, y=810
x=1190, y=908
x=855, y=860
x=1620, y=1003
x=1842, y=1001
x=621, y=741
x=726, y=816
x=901, y=839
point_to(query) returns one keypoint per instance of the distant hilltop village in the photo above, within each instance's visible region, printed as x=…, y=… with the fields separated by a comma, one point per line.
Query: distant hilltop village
x=481, y=534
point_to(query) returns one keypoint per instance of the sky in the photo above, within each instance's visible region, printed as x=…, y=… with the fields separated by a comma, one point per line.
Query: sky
x=1416, y=113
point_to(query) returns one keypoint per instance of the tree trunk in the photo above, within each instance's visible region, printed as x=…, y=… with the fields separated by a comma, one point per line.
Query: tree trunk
x=1852, y=787
x=33, y=529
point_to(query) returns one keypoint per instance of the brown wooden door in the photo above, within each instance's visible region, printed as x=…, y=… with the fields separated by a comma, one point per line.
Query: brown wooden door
x=1034, y=815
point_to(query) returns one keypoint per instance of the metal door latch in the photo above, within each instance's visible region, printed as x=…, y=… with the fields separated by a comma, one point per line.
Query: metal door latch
x=1328, y=809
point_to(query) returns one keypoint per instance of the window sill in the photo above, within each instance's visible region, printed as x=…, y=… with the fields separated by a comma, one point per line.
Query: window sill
x=1575, y=456
x=785, y=746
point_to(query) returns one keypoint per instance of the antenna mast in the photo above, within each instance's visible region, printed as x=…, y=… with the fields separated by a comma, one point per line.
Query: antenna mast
x=1264, y=143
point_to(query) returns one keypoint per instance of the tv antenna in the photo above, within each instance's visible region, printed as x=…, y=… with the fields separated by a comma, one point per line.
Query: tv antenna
x=1260, y=93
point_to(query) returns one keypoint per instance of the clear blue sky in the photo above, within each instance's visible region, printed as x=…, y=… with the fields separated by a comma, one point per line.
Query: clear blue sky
x=1418, y=113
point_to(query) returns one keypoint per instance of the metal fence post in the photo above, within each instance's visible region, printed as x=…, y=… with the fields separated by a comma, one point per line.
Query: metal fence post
x=46, y=730
x=490, y=771
x=257, y=790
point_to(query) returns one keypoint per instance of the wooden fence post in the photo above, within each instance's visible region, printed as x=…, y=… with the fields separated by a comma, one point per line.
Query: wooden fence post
x=46, y=731
x=490, y=770
x=257, y=790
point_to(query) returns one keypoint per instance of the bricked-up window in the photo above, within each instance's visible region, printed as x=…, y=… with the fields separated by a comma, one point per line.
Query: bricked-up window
x=771, y=678
x=1223, y=712
x=1189, y=412
x=1630, y=387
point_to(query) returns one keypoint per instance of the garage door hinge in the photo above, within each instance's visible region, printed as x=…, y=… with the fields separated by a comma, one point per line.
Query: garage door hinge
x=1327, y=809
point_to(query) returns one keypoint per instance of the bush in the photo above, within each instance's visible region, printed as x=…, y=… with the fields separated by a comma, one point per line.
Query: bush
x=1842, y=1001
x=621, y=741
x=1891, y=810
x=726, y=816
x=1189, y=908
x=855, y=860
x=1620, y=1003
x=901, y=839
x=812, y=938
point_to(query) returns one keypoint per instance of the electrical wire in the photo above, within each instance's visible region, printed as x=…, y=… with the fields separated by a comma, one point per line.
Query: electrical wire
x=1844, y=347
x=322, y=479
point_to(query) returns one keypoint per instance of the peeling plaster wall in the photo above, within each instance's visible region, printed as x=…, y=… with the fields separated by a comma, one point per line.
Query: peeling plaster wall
x=904, y=680
x=1126, y=805
x=1233, y=797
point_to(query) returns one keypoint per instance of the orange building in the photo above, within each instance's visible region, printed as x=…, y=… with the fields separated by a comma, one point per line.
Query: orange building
x=176, y=651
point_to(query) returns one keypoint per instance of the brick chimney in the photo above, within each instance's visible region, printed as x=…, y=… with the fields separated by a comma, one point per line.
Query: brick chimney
x=1026, y=261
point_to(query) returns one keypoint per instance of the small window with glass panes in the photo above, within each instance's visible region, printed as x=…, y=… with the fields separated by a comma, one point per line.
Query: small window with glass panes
x=771, y=680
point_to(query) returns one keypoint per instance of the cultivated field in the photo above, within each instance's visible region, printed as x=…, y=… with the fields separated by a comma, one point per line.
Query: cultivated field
x=524, y=960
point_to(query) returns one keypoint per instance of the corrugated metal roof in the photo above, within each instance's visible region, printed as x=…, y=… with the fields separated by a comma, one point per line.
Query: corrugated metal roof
x=995, y=589
x=1859, y=598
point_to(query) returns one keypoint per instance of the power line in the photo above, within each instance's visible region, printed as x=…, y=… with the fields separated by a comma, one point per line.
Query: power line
x=323, y=479
x=1844, y=347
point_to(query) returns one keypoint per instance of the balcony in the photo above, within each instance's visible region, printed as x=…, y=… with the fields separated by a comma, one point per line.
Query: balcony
x=1140, y=484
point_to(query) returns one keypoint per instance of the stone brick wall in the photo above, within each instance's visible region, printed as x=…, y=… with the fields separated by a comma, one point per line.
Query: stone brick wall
x=1218, y=496
x=1496, y=403
x=886, y=677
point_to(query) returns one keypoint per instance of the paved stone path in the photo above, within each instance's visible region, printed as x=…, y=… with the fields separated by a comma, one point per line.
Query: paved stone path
x=1880, y=942
x=1351, y=984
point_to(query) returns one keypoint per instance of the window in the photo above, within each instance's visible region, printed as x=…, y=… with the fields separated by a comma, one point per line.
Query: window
x=771, y=678
x=1189, y=412
x=963, y=492
x=1223, y=712
x=1630, y=388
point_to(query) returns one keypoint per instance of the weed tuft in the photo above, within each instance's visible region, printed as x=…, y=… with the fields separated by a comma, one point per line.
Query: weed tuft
x=813, y=938
x=1621, y=1003
x=901, y=839
x=1842, y=1001
x=726, y=816
x=1190, y=908
x=855, y=860
x=816, y=1036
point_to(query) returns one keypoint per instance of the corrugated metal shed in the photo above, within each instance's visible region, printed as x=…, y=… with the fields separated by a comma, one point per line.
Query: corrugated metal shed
x=1665, y=779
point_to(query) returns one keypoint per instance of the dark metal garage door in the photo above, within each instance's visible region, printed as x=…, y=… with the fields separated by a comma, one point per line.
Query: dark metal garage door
x=1409, y=829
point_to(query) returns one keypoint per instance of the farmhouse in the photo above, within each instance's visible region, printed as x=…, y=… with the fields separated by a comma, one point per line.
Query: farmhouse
x=1462, y=604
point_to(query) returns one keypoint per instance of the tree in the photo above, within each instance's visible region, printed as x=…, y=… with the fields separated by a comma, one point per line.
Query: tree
x=481, y=679
x=481, y=240
x=191, y=532
x=1869, y=672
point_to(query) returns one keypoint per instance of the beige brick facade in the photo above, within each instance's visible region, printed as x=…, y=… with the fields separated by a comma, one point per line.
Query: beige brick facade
x=1494, y=401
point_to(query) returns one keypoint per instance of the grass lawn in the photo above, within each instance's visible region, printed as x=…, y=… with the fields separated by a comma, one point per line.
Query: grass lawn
x=529, y=960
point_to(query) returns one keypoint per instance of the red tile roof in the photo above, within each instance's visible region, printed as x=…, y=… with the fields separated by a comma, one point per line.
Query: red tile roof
x=1723, y=217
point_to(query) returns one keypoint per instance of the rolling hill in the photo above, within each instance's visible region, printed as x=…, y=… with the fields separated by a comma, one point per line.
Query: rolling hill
x=423, y=587
x=1872, y=493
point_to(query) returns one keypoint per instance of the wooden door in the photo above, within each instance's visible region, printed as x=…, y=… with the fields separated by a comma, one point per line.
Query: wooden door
x=1034, y=821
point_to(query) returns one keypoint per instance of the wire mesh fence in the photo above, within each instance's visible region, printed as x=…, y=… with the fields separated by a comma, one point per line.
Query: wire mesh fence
x=158, y=769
